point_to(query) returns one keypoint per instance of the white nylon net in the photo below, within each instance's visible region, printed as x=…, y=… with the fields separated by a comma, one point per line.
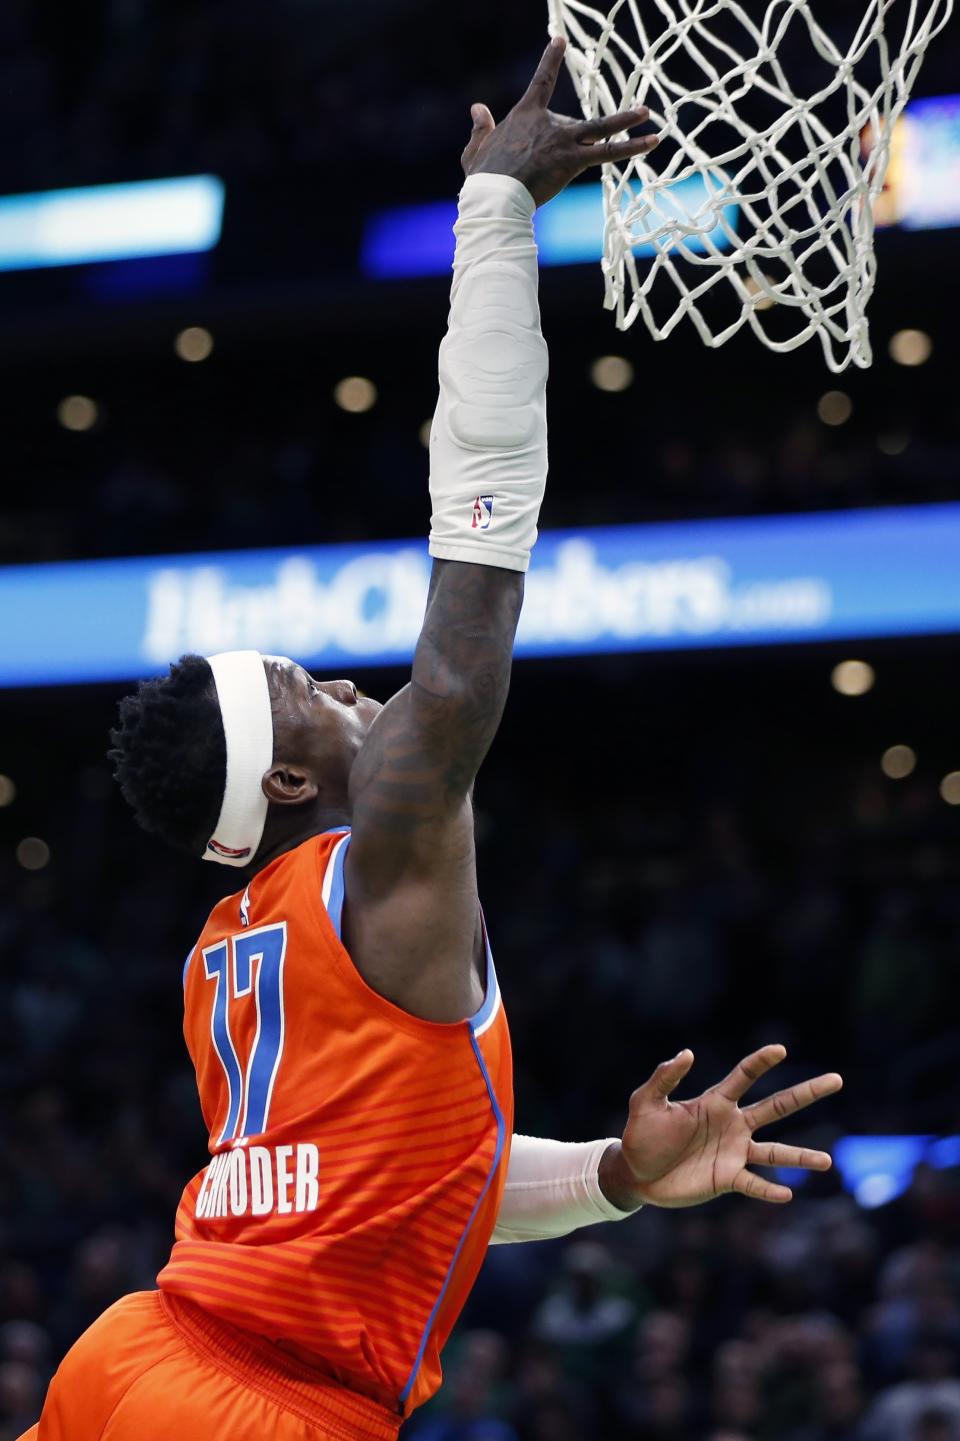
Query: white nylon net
x=757, y=208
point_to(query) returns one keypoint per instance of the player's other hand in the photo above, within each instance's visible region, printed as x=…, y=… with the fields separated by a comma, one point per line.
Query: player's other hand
x=682, y=1153
x=547, y=151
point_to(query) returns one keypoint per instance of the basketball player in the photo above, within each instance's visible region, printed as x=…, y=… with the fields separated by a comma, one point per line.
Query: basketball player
x=342, y=1009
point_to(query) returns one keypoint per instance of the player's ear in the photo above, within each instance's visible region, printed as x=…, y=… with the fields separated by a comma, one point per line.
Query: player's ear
x=288, y=785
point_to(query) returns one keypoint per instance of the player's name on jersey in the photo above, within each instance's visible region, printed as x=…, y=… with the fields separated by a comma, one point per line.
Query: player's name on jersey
x=260, y=1181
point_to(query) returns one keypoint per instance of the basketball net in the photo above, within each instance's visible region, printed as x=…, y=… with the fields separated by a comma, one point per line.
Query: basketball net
x=775, y=144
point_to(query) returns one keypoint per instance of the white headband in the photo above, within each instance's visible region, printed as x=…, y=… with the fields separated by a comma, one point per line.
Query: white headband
x=244, y=698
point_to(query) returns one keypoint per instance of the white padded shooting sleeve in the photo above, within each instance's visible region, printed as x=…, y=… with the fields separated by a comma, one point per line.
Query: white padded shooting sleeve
x=488, y=444
x=552, y=1188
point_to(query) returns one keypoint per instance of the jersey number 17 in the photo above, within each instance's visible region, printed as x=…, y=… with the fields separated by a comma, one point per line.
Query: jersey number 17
x=250, y=961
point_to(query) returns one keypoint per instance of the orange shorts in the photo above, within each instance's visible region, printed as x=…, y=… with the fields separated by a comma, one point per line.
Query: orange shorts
x=155, y=1367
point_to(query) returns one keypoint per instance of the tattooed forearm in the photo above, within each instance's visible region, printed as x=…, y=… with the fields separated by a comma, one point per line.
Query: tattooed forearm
x=461, y=669
x=426, y=747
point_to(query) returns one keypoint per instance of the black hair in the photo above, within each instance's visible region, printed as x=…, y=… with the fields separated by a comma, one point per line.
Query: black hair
x=169, y=754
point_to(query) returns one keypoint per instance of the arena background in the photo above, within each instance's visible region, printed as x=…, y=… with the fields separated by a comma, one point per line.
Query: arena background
x=684, y=847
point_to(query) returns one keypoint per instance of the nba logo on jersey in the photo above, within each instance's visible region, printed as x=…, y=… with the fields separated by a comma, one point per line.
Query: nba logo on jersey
x=482, y=512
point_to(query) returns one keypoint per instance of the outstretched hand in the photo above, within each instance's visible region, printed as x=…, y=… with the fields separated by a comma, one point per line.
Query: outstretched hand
x=682, y=1153
x=546, y=151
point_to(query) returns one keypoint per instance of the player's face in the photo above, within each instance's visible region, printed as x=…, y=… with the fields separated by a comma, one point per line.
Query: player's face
x=322, y=723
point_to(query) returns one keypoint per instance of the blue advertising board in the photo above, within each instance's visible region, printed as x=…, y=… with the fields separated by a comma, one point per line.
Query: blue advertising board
x=768, y=580
x=110, y=222
x=773, y=580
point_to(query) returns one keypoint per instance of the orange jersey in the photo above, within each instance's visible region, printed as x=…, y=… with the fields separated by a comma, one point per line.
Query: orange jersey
x=359, y=1153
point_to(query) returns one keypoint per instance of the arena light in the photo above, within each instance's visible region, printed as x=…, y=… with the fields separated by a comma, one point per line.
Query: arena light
x=424, y=433
x=853, y=677
x=355, y=394
x=921, y=190
x=877, y=1169
x=950, y=788
x=33, y=854
x=898, y=762
x=194, y=344
x=911, y=347
x=110, y=222
x=78, y=412
x=765, y=300
x=612, y=373
x=8, y=791
x=835, y=407
x=893, y=442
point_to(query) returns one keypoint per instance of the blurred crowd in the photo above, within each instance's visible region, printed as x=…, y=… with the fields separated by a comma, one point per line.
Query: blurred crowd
x=244, y=458
x=665, y=914
x=124, y=89
x=824, y=1323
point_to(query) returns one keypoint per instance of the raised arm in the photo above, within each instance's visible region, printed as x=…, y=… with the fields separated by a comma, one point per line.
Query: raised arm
x=412, y=920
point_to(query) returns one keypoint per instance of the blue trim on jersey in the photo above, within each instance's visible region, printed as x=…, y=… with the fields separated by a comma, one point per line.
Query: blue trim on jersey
x=501, y=1136
x=335, y=903
x=186, y=966
x=490, y=999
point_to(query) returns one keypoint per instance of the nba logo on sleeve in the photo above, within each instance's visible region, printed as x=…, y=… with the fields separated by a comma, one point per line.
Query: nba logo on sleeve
x=482, y=512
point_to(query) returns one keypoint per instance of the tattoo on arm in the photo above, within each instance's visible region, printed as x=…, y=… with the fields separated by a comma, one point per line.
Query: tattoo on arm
x=425, y=749
x=461, y=669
